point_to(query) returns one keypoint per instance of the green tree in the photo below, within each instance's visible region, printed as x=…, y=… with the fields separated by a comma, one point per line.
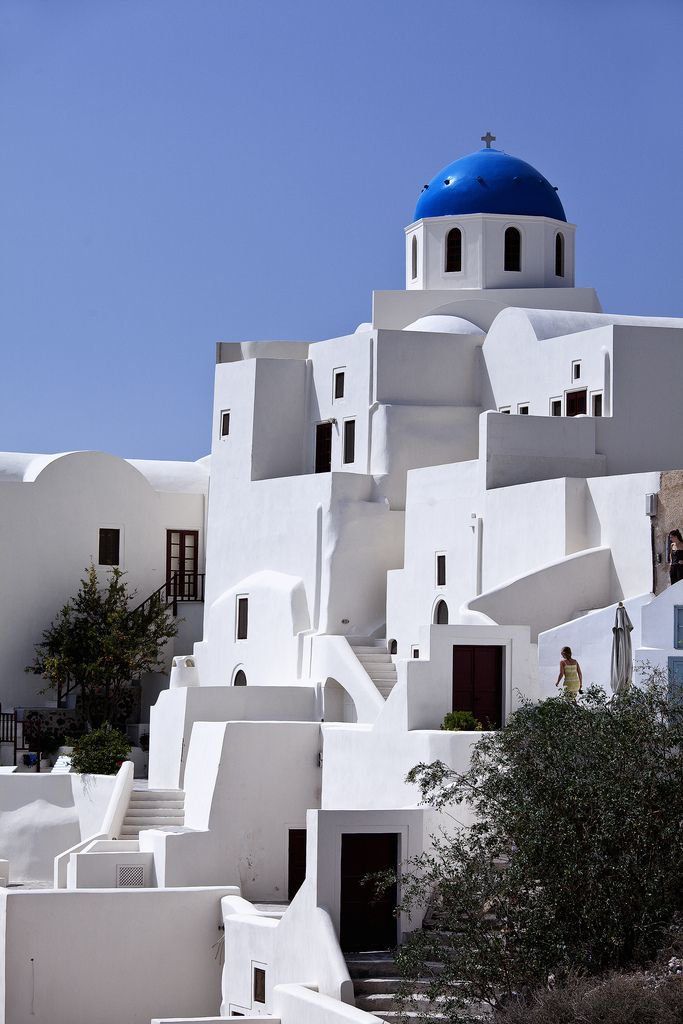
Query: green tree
x=574, y=862
x=98, y=646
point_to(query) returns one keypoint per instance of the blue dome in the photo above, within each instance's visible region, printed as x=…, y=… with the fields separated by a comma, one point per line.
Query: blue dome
x=489, y=181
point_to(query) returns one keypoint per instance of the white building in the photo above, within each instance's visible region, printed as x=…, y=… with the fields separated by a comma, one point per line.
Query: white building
x=405, y=521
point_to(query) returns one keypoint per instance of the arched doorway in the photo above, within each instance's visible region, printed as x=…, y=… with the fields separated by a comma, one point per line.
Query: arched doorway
x=441, y=614
x=240, y=678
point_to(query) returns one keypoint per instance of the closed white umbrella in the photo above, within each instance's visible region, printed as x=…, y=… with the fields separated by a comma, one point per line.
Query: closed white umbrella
x=622, y=652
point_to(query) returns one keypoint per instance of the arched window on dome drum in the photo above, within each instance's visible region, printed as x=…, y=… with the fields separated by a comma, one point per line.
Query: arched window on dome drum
x=513, y=249
x=240, y=678
x=413, y=258
x=454, y=251
x=559, y=254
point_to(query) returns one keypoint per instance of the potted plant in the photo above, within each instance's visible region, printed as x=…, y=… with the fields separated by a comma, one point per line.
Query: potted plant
x=461, y=721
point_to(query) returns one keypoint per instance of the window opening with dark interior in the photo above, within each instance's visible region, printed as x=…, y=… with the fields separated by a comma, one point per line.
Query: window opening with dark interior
x=441, y=614
x=109, y=547
x=556, y=407
x=523, y=410
x=441, y=570
x=393, y=647
x=225, y=423
x=506, y=412
x=576, y=403
x=454, y=251
x=242, y=617
x=576, y=370
x=259, y=985
x=415, y=652
x=559, y=254
x=323, y=447
x=513, y=249
x=349, y=441
x=597, y=405
x=413, y=257
x=240, y=678
x=338, y=383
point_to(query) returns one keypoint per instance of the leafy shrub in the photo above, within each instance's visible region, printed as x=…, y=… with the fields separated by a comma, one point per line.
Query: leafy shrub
x=461, y=721
x=44, y=731
x=100, y=752
x=574, y=862
x=617, y=999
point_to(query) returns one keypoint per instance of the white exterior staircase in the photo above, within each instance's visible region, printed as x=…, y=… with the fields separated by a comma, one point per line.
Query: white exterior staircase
x=378, y=990
x=153, y=808
x=376, y=660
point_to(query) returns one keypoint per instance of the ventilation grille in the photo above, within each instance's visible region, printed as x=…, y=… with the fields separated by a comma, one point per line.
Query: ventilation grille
x=130, y=876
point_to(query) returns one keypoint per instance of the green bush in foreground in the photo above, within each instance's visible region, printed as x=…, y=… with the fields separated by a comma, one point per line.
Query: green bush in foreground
x=461, y=721
x=100, y=752
x=575, y=860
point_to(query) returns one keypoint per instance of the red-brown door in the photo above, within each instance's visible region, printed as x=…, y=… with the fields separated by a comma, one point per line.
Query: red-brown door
x=478, y=683
x=182, y=553
x=367, y=921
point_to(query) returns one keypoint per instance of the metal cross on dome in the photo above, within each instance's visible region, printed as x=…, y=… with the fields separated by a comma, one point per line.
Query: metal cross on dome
x=488, y=139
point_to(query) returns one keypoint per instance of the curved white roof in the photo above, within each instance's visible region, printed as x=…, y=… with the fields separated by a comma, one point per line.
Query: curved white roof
x=363, y=328
x=554, y=323
x=443, y=323
x=187, y=477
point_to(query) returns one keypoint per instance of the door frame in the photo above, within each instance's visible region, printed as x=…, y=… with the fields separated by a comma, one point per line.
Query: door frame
x=169, y=531
x=506, y=645
x=401, y=833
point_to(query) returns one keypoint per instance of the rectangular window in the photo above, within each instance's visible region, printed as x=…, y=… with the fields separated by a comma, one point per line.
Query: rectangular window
x=576, y=370
x=259, y=985
x=523, y=410
x=505, y=409
x=678, y=627
x=441, y=570
x=597, y=404
x=349, y=441
x=338, y=383
x=109, y=547
x=225, y=422
x=555, y=406
x=415, y=652
x=242, y=618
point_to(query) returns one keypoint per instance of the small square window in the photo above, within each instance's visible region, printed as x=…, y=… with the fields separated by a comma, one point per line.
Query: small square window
x=259, y=985
x=242, y=624
x=225, y=423
x=576, y=370
x=505, y=409
x=339, y=383
x=441, y=570
x=109, y=547
x=349, y=441
x=555, y=406
x=415, y=652
x=596, y=404
x=523, y=410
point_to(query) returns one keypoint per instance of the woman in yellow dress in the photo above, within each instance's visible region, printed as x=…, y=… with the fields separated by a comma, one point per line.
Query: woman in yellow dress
x=570, y=671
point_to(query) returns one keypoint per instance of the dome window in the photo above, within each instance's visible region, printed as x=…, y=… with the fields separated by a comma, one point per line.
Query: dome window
x=413, y=258
x=559, y=254
x=454, y=251
x=513, y=249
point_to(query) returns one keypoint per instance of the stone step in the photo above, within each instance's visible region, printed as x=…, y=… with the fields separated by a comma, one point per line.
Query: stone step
x=380, y=674
x=401, y=1016
x=368, y=966
x=392, y=1001
x=154, y=795
x=150, y=807
x=372, y=654
x=386, y=986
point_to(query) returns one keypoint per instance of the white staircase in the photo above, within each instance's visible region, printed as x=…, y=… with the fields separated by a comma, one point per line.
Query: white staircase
x=375, y=659
x=153, y=808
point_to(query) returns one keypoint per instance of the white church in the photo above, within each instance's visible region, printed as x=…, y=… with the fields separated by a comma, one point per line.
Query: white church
x=392, y=525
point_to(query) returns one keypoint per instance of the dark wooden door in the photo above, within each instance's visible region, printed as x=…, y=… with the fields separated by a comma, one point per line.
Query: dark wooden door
x=182, y=552
x=297, y=861
x=366, y=922
x=323, y=448
x=478, y=683
x=576, y=403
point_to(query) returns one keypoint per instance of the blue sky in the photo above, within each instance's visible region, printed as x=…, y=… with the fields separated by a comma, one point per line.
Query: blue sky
x=177, y=172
